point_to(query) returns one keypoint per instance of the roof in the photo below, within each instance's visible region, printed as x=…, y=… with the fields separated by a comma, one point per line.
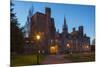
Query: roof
x=38, y=13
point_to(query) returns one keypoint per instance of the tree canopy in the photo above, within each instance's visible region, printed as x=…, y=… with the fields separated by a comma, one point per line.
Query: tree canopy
x=17, y=36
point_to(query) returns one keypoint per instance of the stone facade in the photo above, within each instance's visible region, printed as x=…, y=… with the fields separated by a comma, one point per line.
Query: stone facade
x=52, y=42
x=43, y=25
x=76, y=41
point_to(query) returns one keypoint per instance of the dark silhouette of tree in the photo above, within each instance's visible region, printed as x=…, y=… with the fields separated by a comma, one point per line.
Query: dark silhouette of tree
x=17, y=35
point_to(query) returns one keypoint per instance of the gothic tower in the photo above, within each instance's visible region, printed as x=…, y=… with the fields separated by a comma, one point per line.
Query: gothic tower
x=80, y=29
x=28, y=22
x=65, y=27
x=48, y=12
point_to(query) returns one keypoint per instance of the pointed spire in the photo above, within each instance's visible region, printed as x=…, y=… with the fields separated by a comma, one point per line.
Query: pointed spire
x=64, y=21
x=30, y=14
x=65, y=24
x=65, y=27
x=31, y=11
x=28, y=22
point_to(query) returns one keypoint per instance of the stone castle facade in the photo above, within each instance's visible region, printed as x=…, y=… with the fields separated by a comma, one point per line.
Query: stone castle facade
x=52, y=42
x=76, y=41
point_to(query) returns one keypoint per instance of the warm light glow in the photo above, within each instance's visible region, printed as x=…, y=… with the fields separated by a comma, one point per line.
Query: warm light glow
x=38, y=37
x=87, y=46
x=68, y=45
x=53, y=49
x=38, y=51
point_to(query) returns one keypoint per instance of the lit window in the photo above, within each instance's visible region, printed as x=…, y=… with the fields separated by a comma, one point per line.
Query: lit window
x=87, y=46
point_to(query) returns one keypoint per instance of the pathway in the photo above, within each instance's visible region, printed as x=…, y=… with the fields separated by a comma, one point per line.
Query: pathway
x=55, y=59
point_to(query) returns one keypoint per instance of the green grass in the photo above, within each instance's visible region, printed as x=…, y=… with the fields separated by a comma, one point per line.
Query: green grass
x=22, y=60
x=81, y=57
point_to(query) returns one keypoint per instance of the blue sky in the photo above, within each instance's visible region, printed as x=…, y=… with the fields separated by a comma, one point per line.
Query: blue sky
x=76, y=15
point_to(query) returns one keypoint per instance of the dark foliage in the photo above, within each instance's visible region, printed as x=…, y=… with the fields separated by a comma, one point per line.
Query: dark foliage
x=17, y=36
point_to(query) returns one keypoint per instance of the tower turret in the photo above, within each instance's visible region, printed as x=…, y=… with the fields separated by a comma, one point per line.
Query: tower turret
x=80, y=29
x=48, y=12
x=65, y=27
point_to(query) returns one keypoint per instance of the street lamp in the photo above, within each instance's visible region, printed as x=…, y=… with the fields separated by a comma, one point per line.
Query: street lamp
x=38, y=51
x=68, y=46
x=38, y=37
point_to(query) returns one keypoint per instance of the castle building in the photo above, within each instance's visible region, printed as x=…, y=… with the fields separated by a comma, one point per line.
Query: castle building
x=76, y=41
x=52, y=42
x=43, y=25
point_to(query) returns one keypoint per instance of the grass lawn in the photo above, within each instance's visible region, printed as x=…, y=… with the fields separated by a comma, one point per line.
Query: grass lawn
x=81, y=57
x=21, y=60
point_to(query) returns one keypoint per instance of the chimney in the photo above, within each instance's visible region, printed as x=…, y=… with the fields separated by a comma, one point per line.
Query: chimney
x=48, y=11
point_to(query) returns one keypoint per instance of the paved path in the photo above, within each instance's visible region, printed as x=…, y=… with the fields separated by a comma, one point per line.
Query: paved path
x=55, y=59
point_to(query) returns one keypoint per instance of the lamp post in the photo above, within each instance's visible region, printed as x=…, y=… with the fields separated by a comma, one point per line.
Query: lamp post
x=38, y=38
x=68, y=47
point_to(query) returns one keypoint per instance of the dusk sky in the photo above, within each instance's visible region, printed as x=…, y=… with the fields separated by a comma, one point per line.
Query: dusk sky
x=76, y=15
